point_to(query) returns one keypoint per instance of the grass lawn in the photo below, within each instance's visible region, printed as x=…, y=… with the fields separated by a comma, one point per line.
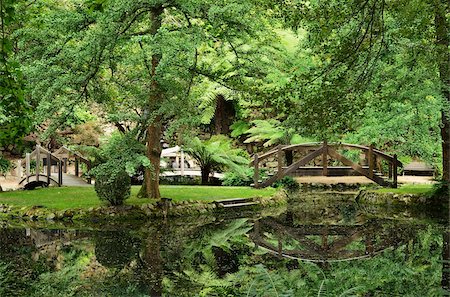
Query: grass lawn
x=85, y=197
x=409, y=189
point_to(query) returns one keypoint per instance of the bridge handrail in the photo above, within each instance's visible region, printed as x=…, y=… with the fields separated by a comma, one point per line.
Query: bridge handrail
x=46, y=152
x=34, y=175
x=317, y=145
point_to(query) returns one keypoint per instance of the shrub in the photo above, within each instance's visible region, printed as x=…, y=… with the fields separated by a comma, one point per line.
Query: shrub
x=236, y=179
x=5, y=166
x=112, y=185
x=287, y=182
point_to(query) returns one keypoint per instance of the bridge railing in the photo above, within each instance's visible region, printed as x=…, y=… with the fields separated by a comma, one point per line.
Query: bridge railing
x=43, y=158
x=278, y=158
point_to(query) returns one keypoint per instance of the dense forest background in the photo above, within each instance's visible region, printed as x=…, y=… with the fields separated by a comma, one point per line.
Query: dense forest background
x=261, y=72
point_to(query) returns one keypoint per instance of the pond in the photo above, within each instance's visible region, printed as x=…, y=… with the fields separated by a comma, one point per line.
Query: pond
x=340, y=249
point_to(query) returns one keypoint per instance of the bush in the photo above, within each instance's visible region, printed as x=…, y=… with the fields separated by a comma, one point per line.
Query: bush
x=287, y=182
x=111, y=185
x=236, y=179
x=5, y=166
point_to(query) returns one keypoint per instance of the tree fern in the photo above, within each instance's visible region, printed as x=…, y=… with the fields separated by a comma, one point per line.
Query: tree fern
x=216, y=153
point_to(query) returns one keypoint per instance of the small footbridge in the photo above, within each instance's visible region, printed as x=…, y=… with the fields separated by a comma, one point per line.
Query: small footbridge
x=44, y=168
x=326, y=159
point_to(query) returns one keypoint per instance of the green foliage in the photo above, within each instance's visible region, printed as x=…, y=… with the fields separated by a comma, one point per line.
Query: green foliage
x=235, y=179
x=115, y=162
x=14, y=109
x=239, y=128
x=5, y=165
x=11, y=284
x=272, y=132
x=366, y=83
x=217, y=153
x=112, y=185
x=122, y=152
x=287, y=182
x=440, y=192
x=65, y=282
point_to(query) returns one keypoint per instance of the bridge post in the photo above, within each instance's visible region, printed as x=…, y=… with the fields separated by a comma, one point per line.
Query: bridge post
x=325, y=158
x=371, y=161
x=27, y=166
x=77, y=170
x=60, y=173
x=280, y=162
x=182, y=162
x=65, y=164
x=394, y=165
x=49, y=167
x=38, y=161
x=256, y=171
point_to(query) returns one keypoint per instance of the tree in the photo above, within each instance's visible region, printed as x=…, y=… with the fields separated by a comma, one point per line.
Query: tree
x=140, y=61
x=14, y=110
x=216, y=153
x=272, y=132
x=355, y=44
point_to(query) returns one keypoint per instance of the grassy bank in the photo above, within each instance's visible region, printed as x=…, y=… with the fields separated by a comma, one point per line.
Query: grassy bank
x=414, y=189
x=85, y=197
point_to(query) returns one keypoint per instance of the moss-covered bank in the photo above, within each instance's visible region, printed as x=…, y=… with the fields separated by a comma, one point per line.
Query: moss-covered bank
x=155, y=209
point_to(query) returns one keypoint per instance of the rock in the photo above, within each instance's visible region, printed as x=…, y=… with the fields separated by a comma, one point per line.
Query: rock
x=51, y=217
x=68, y=214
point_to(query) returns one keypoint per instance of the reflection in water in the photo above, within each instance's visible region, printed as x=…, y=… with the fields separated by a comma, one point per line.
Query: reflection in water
x=445, y=283
x=328, y=243
x=297, y=253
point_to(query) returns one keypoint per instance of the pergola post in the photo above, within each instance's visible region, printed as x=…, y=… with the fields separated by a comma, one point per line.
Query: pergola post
x=49, y=167
x=27, y=166
x=60, y=173
x=182, y=162
x=65, y=164
x=19, y=168
x=38, y=161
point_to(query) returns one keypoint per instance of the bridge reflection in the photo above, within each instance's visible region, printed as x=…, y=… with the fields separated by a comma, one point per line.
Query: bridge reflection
x=328, y=243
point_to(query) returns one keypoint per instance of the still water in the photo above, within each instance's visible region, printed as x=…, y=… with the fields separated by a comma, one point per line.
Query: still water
x=300, y=250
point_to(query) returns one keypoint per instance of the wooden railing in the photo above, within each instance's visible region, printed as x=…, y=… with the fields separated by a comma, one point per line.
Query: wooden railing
x=325, y=150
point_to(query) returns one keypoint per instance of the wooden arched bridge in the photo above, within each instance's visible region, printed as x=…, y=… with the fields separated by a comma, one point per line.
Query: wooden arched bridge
x=326, y=159
x=50, y=168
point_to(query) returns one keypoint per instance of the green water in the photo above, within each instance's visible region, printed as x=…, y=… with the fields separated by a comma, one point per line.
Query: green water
x=301, y=250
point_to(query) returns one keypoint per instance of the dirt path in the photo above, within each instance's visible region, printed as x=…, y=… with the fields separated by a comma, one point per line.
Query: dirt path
x=361, y=180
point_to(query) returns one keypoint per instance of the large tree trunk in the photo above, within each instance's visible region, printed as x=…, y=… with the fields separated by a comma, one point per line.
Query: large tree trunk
x=150, y=266
x=443, y=59
x=150, y=187
x=224, y=115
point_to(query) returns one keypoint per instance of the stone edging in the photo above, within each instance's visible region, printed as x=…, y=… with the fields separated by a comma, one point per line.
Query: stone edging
x=163, y=208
